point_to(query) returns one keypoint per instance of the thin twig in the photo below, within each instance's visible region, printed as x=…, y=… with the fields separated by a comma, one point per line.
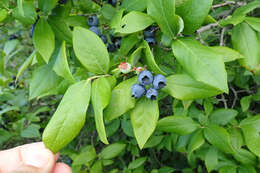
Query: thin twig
x=223, y=4
x=224, y=101
x=207, y=27
x=222, y=36
x=235, y=97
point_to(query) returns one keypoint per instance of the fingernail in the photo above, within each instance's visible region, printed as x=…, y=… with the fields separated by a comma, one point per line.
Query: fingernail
x=36, y=158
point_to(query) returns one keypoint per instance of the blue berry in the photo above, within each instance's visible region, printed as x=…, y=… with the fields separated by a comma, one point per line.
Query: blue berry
x=93, y=20
x=62, y=1
x=112, y=2
x=151, y=41
x=152, y=94
x=111, y=48
x=96, y=30
x=159, y=82
x=103, y=38
x=145, y=77
x=137, y=91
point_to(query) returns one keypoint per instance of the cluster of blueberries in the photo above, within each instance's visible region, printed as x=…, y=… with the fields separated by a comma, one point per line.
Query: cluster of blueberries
x=145, y=79
x=149, y=35
x=116, y=41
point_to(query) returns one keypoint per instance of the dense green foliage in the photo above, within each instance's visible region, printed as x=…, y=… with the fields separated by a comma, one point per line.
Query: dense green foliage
x=67, y=68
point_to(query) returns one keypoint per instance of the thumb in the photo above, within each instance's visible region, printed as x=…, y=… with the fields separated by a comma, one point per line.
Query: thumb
x=27, y=158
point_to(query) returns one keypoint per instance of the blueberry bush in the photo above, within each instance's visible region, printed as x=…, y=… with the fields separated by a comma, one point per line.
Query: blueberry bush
x=133, y=86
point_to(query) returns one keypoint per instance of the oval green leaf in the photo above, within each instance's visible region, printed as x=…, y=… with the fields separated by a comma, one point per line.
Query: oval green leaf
x=44, y=39
x=69, y=117
x=144, y=119
x=90, y=50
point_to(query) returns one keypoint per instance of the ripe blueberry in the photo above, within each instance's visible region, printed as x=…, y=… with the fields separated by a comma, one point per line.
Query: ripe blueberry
x=93, y=20
x=62, y=1
x=103, y=38
x=159, y=82
x=145, y=77
x=137, y=91
x=112, y=2
x=152, y=94
x=96, y=30
x=111, y=48
x=151, y=41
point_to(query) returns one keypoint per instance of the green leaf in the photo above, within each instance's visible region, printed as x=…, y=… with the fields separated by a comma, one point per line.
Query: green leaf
x=137, y=163
x=245, y=103
x=245, y=157
x=163, y=12
x=3, y=14
x=86, y=155
x=251, y=128
x=128, y=43
x=242, y=36
x=222, y=116
x=25, y=65
x=227, y=169
x=136, y=55
x=196, y=141
x=243, y=10
x=112, y=150
x=236, y=138
x=4, y=136
x=100, y=97
x=61, y=29
x=43, y=39
x=134, y=5
x=219, y=138
x=120, y=99
x=44, y=80
x=32, y=131
x=193, y=13
x=134, y=22
x=254, y=22
x=177, y=124
x=150, y=61
x=227, y=53
x=61, y=66
x=25, y=13
x=97, y=167
x=211, y=159
x=69, y=117
x=184, y=87
x=201, y=63
x=90, y=50
x=144, y=119
x=47, y=5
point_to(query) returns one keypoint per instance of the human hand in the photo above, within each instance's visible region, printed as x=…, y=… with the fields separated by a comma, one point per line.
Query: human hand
x=31, y=158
